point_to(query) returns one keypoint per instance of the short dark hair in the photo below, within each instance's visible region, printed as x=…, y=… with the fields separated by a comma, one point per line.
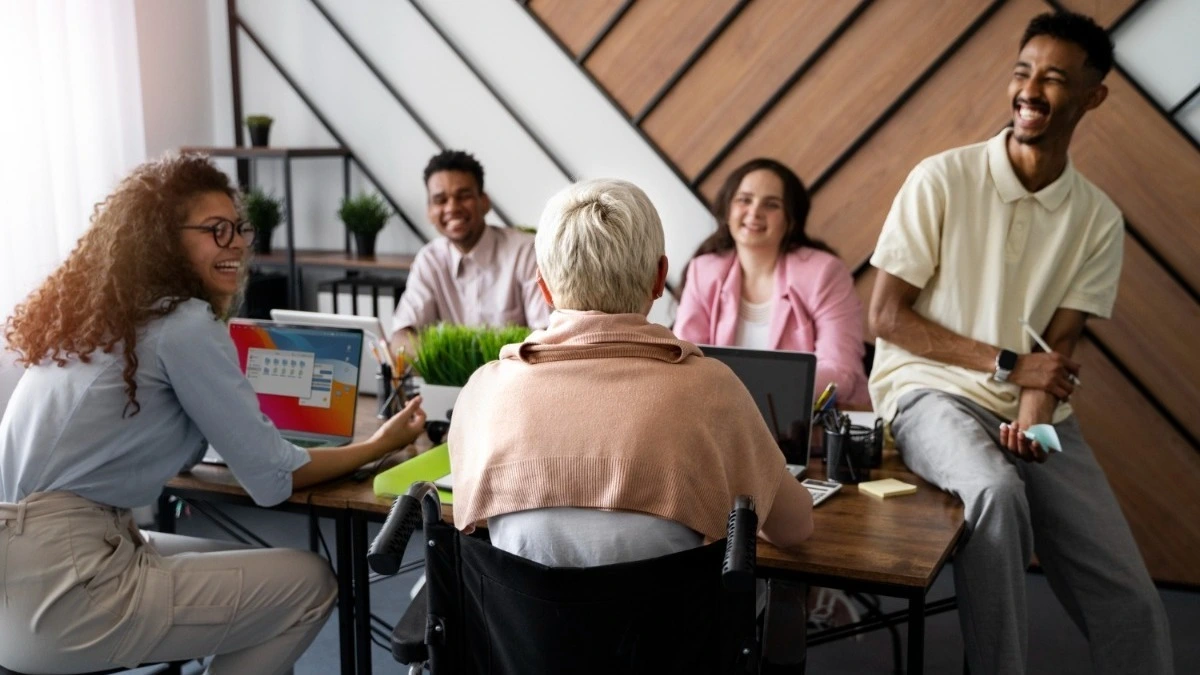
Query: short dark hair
x=455, y=160
x=1077, y=29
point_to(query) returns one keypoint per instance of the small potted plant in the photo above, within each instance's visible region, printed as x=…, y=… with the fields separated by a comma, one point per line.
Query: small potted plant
x=260, y=129
x=265, y=212
x=447, y=355
x=364, y=216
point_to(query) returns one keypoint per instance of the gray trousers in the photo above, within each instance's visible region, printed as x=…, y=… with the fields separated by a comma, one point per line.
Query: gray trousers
x=83, y=590
x=1064, y=510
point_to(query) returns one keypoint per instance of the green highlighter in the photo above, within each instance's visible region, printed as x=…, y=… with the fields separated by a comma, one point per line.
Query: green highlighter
x=1045, y=435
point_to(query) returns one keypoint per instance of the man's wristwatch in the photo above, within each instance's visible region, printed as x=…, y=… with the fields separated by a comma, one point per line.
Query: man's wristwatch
x=1006, y=361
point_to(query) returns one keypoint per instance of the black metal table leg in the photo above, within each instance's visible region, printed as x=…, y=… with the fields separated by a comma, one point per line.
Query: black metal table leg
x=345, y=574
x=362, y=592
x=916, y=633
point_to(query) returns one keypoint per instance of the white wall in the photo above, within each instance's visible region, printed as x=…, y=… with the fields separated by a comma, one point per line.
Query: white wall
x=1158, y=46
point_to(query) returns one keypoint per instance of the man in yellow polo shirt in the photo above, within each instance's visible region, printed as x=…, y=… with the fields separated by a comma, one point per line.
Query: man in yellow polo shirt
x=979, y=239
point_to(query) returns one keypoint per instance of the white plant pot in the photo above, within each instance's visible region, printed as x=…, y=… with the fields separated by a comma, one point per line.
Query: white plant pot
x=438, y=400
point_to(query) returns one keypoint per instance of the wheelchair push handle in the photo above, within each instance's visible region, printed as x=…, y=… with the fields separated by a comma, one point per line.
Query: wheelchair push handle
x=737, y=574
x=387, y=551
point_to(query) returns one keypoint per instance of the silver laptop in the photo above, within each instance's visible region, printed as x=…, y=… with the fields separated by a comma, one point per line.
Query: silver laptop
x=306, y=378
x=372, y=329
x=782, y=385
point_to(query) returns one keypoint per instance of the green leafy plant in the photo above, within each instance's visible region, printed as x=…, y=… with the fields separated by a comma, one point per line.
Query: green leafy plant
x=364, y=214
x=264, y=211
x=259, y=120
x=447, y=354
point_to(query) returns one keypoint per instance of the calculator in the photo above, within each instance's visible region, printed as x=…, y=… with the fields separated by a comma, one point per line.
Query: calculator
x=820, y=489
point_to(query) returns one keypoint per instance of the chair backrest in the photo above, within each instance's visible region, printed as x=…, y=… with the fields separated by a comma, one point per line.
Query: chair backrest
x=494, y=612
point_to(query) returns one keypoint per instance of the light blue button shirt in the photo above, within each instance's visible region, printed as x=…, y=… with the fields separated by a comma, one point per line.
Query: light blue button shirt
x=63, y=428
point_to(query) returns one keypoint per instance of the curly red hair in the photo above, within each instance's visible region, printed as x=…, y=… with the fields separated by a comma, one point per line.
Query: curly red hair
x=126, y=270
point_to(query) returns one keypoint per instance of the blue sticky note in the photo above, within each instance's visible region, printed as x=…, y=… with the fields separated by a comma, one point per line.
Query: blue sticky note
x=1046, y=435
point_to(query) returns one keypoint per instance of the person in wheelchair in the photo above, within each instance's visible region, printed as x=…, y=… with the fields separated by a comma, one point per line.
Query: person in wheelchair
x=604, y=438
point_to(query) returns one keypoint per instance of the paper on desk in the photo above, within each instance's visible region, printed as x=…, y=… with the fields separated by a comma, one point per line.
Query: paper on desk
x=1046, y=435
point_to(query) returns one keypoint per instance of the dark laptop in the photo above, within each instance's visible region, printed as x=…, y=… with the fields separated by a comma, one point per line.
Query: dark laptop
x=782, y=385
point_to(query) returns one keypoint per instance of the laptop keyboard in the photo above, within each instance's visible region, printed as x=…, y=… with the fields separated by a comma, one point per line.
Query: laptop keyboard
x=307, y=442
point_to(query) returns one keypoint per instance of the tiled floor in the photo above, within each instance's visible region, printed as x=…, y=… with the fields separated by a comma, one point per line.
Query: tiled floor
x=1055, y=645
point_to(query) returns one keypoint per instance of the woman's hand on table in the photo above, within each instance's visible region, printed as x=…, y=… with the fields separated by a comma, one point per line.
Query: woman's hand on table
x=402, y=428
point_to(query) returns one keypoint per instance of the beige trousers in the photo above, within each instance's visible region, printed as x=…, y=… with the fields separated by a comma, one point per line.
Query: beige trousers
x=83, y=590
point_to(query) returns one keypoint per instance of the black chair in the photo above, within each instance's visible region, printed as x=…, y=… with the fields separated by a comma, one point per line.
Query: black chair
x=488, y=611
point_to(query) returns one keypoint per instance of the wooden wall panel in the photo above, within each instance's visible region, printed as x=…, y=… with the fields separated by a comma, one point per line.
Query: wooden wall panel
x=1151, y=468
x=1154, y=333
x=850, y=86
x=965, y=102
x=1126, y=140
x=575, y=23
x=1103, y=11
x=643, y=51
x=756, y=54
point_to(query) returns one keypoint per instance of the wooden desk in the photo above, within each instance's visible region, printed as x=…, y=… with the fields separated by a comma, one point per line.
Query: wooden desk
x=894, y=547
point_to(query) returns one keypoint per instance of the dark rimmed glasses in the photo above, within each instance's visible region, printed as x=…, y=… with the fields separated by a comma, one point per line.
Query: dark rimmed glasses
x=222, y=231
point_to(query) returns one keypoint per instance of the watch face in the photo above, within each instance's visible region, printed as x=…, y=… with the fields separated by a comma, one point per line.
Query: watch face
x=1007, y=360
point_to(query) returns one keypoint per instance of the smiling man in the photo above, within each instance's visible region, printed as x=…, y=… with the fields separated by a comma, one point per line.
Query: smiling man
x=473, y=274
x=979, y=240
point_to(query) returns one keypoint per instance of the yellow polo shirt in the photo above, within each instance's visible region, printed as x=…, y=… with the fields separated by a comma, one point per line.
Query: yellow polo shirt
x=985, y=253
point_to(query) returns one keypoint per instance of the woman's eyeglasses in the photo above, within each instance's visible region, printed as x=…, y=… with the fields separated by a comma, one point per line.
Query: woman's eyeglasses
x=222, y=231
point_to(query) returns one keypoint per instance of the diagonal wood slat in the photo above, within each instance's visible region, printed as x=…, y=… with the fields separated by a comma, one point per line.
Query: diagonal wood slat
x=1153, y=332
x=1105, y=12
x=1119, y=148
x=642, y=51
x=850, y=86
x=742, y=69
x=575, y=23
x=1152, y=469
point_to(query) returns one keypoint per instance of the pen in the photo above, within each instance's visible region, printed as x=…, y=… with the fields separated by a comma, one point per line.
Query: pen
x=829, y=389
x=1046, y=348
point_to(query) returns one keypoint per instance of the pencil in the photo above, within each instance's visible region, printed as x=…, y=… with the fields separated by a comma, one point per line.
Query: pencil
x=1046, y=348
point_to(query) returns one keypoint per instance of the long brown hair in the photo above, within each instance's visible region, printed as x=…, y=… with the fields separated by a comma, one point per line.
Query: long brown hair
x=795, y=208
x=127, y=269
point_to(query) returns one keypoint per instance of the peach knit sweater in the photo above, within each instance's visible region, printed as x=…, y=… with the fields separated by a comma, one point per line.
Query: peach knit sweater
x=610, y=411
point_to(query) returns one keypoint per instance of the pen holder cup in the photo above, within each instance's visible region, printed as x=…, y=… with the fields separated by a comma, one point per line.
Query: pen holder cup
x=852, y=451
x=388, y=401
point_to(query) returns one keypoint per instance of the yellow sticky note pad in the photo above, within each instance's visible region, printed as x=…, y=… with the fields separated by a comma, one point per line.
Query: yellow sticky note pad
x=887, y=487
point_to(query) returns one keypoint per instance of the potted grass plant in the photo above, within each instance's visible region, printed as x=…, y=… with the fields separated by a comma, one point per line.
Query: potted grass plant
x=265, y=212
x=447, y=354
x=260, y=129
x=364, y=216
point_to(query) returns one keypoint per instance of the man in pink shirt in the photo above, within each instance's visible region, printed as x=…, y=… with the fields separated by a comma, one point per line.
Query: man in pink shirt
x=474, y=274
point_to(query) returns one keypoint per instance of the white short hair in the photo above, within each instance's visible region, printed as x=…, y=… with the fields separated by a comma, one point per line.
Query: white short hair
x=598, y=246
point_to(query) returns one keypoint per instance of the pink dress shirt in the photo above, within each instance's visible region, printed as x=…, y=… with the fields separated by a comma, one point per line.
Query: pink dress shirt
x=815, y=309
x=495, y=284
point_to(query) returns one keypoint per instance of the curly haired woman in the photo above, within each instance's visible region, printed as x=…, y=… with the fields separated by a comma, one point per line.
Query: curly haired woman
x=131, y=373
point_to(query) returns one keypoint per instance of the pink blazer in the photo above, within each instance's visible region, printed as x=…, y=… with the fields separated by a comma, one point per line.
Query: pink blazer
x=816, y=310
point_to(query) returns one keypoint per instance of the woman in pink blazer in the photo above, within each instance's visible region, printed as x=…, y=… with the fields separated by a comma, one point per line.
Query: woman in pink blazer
x=760, y=282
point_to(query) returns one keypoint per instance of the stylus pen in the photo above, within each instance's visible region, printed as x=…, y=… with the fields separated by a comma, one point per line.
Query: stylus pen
x=1046, y=348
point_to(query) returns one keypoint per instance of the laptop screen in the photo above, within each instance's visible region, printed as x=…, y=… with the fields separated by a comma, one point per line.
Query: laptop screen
x=306, y=377
x=782, y=386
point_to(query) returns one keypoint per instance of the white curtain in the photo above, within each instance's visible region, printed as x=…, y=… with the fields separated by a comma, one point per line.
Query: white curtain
x=70, y=127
